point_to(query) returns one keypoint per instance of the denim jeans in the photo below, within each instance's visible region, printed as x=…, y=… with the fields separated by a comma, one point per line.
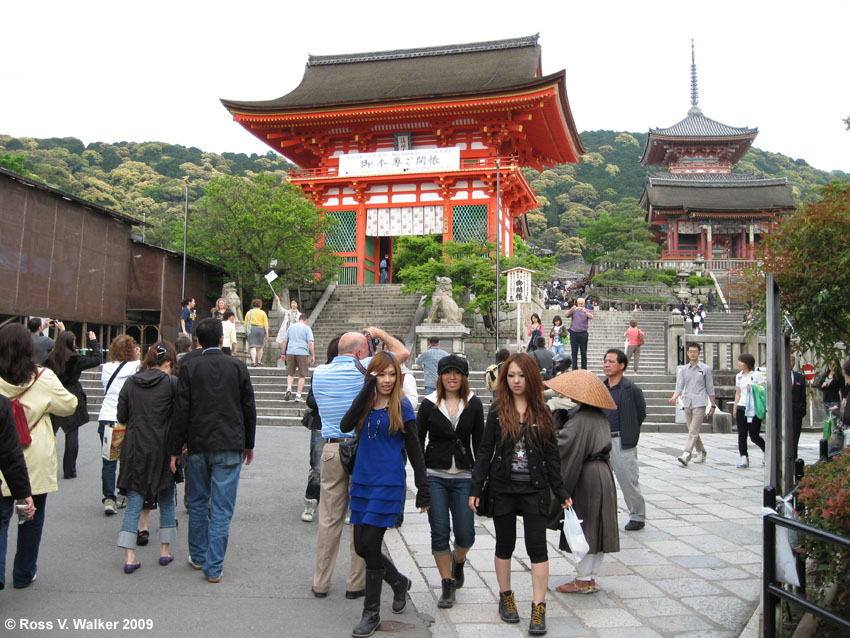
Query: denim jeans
x=130, y=525
x=29, y=539
x=213, y=479
x=450, y=495
x=317, y=444
x=108, y=469
x=558, y=348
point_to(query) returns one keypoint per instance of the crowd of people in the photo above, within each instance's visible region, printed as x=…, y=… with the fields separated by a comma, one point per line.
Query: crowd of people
x=191, y=416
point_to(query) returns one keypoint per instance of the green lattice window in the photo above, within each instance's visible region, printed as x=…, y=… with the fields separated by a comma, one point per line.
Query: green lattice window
x=469, y=223
x=348, y=274
x=343, y=238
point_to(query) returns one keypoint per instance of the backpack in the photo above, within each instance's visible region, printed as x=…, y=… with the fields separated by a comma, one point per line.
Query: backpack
x=20, y=416
x=491, y=376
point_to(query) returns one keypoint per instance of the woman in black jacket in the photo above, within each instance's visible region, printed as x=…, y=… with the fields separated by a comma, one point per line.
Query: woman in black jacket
x=145, y=405
x=68, y=365
x=452, y=419
x=518, y=459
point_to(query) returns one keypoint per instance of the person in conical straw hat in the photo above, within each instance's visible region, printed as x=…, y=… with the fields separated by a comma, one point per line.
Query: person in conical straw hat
x=584, y=444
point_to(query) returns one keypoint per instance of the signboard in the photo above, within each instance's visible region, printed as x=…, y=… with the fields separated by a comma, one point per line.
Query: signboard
x=519, y=286
x=425, y=160
x=809, y=371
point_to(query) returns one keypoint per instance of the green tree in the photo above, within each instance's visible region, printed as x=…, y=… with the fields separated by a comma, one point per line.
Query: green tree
x=472, y=269
x=243, y=223
x=809, y=256
x=621, y=236
x=14, y=163
x=413, y=250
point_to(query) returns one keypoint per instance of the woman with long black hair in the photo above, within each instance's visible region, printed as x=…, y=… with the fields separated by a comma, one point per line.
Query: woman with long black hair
x=41, y=394
x=518, y=459
x=386, y=424
x=68, y=365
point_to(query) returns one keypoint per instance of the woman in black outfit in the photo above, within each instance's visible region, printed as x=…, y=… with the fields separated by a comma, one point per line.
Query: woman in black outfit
x=452, y=419
x=68, y=365
x=519, y=460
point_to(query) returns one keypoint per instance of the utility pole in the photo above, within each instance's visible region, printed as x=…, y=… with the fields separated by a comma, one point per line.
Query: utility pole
x=185, y=231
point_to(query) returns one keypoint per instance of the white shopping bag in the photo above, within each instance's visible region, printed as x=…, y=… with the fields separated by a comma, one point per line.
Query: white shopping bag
x=574, y=534
x=107, y=442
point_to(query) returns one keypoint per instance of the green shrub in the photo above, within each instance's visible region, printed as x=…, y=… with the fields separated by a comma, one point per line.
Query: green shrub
x=695, y=281
x=824, y=492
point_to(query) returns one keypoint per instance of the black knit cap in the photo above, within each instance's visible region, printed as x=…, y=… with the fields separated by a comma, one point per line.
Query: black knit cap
x=453, y=361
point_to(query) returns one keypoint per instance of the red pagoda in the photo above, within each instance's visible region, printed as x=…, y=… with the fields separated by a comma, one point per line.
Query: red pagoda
x=409, y=142
x=699, y=207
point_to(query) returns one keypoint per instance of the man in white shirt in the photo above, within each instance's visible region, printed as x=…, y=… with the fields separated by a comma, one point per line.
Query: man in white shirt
x=695, y=384
x=228, y=323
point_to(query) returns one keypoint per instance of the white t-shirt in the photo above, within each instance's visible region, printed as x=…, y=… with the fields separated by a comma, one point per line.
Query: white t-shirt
x=229, y=329
x=754, y=377
x=109, y=407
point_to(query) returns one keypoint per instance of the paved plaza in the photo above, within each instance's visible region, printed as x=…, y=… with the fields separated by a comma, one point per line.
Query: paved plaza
x=693, y=571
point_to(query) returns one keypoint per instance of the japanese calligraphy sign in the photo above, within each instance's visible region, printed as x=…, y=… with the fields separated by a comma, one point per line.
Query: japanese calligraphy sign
x=425, y=160
x=519, y=285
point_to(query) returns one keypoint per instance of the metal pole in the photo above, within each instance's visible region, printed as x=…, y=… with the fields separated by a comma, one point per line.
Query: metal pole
x=498, y=249
x=185, y=230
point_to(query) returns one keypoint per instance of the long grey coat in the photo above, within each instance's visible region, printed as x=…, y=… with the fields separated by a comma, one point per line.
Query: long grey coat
x=584, y=444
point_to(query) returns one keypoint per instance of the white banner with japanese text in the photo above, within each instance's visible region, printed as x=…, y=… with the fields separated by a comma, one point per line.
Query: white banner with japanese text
x=426, y=160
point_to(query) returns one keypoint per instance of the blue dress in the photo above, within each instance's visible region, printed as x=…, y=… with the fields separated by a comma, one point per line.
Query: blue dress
x=378, y=483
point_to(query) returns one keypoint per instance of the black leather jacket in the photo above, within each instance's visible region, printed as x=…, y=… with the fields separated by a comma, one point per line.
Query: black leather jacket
x=445, y=442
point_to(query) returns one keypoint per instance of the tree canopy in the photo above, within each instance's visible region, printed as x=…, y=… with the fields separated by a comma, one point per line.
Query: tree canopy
x=621, y=236
x=809, y=256
x=242, y=224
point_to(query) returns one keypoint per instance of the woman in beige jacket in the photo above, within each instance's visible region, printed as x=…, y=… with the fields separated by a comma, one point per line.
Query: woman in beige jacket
x=41, y=394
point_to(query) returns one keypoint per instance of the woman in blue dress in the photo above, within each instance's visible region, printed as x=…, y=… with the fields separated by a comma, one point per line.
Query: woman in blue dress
x=386, y=424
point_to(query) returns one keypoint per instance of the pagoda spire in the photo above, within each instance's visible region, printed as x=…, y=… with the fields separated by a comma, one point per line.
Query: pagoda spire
x=695, y=109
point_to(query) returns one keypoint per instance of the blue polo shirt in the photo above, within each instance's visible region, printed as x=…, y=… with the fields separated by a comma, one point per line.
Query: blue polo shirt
x=335, y=386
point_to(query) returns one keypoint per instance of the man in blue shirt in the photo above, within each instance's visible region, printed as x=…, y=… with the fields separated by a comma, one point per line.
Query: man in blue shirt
x=429, y=360
x=296, y=350
x=335, y=386
x=187, y=317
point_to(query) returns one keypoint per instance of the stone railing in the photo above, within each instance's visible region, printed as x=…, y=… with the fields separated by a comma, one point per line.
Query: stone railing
x=720, y=352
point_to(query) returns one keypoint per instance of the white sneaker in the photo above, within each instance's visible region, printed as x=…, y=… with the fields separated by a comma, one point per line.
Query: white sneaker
x=109, y=507
x=686, y=456
x=745, y=462
x=309, y=512
x=701, y=457
x=298, y=397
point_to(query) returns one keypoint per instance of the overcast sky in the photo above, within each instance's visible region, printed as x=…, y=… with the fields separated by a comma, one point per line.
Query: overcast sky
x=154, y=71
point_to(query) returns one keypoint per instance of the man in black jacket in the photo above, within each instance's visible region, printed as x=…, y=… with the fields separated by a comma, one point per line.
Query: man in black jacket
x=625, y=431
x=216, y=418
x=798, y=404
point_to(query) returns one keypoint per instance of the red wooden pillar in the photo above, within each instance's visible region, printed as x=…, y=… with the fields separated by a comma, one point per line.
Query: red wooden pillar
x=492, y=219
x=360, y=248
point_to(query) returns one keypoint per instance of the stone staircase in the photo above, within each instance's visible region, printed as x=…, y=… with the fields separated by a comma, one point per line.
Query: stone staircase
x=352, y=308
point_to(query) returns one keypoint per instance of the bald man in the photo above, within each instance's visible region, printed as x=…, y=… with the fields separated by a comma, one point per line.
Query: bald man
x=335, y=385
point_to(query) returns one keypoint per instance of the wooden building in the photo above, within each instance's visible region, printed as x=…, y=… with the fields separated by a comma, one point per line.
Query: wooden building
x=699, y=206
x=70, y=259
x=409, y=142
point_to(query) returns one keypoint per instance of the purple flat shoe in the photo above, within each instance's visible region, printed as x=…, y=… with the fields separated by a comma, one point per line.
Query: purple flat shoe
x=129, y=568
x=164, y=560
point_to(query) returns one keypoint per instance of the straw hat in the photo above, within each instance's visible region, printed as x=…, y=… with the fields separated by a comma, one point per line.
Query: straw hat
x=583, y=386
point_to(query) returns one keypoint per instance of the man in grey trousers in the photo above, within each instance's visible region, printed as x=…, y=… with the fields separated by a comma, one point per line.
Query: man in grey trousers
x=695, y=384
x=625, y=424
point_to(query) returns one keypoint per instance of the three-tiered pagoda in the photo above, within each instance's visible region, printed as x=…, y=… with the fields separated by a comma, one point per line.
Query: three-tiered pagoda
x=699, y=207
x=409, y=142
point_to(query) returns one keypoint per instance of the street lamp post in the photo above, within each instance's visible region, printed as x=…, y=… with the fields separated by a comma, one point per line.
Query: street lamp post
x=185, y=230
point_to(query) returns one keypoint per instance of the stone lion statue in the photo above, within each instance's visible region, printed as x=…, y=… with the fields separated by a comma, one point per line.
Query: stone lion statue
x=444, y=309
x=231, y=298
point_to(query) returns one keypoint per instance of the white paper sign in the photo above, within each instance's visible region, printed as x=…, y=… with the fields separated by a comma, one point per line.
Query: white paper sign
x=271, y=276
x=426, y=160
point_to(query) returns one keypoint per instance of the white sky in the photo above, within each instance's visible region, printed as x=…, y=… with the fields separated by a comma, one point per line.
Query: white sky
x=154, y=71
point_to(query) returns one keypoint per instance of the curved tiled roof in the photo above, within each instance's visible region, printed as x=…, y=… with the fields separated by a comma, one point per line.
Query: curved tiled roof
x=697, y=125
x=717, y=192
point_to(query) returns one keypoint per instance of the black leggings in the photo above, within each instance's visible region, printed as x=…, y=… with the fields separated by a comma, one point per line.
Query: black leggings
x=747, y=429
x=535, y=536
x=367, y=544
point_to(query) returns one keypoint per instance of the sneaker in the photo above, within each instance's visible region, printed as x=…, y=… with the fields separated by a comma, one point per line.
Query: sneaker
x=507, y=607
x=745, y=463
x=109, y=507
x=537, y=625
x=684, y=458
x=701, y=457
x=121, y=501
x=214, y=579
x=288, y=396
x=195, y=565
x=309, y=509
x=298, y=397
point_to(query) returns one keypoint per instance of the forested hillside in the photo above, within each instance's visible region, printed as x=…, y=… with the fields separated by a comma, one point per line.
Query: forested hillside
x=146, y=180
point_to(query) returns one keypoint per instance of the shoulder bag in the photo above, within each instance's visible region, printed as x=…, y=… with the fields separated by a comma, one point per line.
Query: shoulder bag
x=20, y=416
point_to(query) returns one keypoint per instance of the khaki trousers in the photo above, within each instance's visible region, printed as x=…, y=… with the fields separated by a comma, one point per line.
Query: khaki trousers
x=624, y=464
x=694, y=416
x=333, y=504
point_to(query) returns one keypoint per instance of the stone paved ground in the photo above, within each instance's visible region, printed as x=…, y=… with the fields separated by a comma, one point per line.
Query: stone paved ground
x=694, y=570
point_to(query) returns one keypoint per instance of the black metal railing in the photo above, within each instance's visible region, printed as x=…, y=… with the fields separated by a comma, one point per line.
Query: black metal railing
x=773, y=593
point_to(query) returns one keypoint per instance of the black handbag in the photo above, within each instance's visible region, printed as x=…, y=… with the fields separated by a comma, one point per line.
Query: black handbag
x=484, y=508
x=347, y=453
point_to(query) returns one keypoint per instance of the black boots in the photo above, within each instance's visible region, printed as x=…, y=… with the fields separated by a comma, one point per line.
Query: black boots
x=457, y=571
x=371, y=604
x=447, y=599
x=399, y=583
x=537, y=626
x=507, y=607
